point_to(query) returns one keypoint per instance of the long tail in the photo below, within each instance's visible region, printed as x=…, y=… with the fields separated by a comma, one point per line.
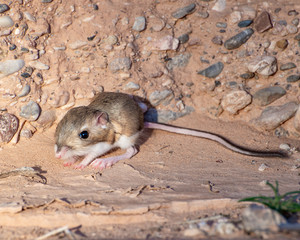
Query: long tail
x=214, y=137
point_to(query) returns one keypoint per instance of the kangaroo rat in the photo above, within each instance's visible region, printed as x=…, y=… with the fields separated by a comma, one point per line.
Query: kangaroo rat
x=114, y=120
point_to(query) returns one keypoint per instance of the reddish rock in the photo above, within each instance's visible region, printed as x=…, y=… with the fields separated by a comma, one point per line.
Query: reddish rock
x=8, y=127
x=263, y=22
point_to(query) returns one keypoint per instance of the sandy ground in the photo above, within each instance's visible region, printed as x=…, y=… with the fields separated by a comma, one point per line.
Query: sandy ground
x=152, y=194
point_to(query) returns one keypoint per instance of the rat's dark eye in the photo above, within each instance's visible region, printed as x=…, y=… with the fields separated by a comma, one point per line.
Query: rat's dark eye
x=84, y=135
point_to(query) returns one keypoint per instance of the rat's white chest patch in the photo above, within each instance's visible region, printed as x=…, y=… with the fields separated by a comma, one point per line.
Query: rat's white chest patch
x=125, y=142
x=95, y=150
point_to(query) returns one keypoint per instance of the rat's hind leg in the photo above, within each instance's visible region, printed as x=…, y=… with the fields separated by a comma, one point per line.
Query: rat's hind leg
x=102, y=163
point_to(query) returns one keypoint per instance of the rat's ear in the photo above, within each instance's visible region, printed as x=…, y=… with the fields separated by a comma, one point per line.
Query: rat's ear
x=102, y=119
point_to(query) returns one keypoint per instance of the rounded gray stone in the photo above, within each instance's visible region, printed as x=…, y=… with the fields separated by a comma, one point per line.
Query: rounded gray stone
x=182, y=12
x=287, y=66
x=180, y=60
x=120, y=64
x=213, y=70
x=139, y=24
x=31, y=111
x=158, y=97
x=268, y=95
x=239, y=39
x=3, y=8
x=293, y=78
x=273, y=116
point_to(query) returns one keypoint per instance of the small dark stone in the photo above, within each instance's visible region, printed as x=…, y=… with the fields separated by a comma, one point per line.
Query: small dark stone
x=247, y=75
x=222, y=31
x=293, y=78
x=182, y=12
x=203, y=14
x=25, y=75
x=46, y=1
x=293, y=13
x=25, y=50
x=213, y=70
x=239, y=39
x=295, y=21
x=12, y=47
x=263, y=22
x=297, y=37
x=221, y=25
x=245, y=23
x=287, y=66
x=91, y=38
x=268, y=95
x=217, y=83
x=184, y=38
x=277, y=10
x=282, y=22
x=95, y=6
x=3, y=8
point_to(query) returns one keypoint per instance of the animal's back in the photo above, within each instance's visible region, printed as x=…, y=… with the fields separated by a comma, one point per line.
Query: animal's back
x=123, y=111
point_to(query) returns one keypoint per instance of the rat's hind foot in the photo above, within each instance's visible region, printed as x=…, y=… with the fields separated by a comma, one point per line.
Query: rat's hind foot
x=102, y=163
x=69, y=162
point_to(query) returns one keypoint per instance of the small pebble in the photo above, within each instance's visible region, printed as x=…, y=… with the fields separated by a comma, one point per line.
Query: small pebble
x=46, y=119
x=285, y=147
x=10, y=66
x=180, y=60
x=295, y=21
x=25, y=75
x=221, y=25
x=139, y=24
x=245, y=23
x=293, y=13
x=213, y=70
x=39, y=65
x=120, y=64
x=158, y=97
x=263, y=167
x=273, y=116
x=235, y=101
x=282, y=44
x=166, y=43
x=184, y=38
x=3, y=8
x=31, y=111
x=12, y=47
x=219, y=6
x=6, y=22
x=264, y=65
x=287, y=66
x=9, y=125
x=203, y=14
x=182, y=12
x=293, y=78
x=46, y=1
x=268, y=95
x=25, y=91
x=248, y=75
x=239, y=39
x=132, y=86
x=263, y=22
x=218, y=40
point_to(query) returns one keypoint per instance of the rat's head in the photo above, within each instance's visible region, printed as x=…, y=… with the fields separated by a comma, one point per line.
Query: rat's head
x=79, y=129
